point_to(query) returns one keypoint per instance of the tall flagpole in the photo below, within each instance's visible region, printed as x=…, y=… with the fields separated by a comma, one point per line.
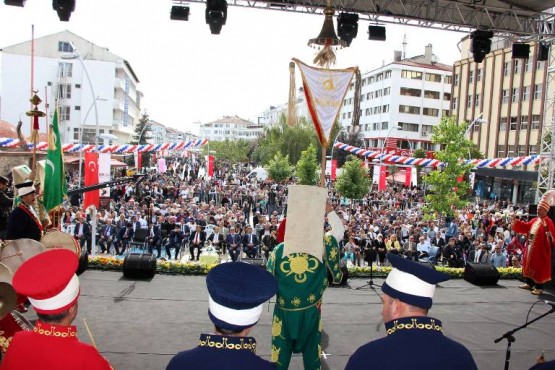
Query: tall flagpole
x=323, y=167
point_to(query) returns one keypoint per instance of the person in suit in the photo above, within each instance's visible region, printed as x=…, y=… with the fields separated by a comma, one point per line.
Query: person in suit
x=196, y=241
x=217, y=239
x=125, y=235
x=407, y=297
x=237, y=292
x=82, y=232
x=234, y=243
x=250, y=243
x=174, y=241
x=5, y=206
x=106, y=237
x=480, y=254
x=154, y=239
x=24, y=221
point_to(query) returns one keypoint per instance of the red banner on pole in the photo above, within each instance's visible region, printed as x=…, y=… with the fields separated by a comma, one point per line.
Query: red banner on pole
x=383, y=175
x=408, y=177
x=139, y=160
x=91, y=178
x=210, y=166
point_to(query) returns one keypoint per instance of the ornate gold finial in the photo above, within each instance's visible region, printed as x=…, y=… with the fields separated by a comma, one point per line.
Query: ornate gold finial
x=35, y=112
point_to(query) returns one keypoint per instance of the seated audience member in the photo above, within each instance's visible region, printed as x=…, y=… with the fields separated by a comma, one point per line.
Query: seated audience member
x=174, y=241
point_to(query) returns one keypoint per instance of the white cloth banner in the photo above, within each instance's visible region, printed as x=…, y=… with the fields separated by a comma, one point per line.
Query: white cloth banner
x=414, y=176
x=104, y=162
x=376, y=174
x=162, y=165
x=325, y=90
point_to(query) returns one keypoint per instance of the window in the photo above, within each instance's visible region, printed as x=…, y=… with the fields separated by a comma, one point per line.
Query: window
x=410, y=92
x=447, y=96
x=430, y=112
x=387, y=91
x=64, y=47
x=477, y=100
x=511, y=152
x=500, y=151
x=412, y=127
x=431, y=94
x=385, y=109
x=349, y=114
x=513, y=125
x=503, y=124
x=432, y=77
x=77, y=86
x=456, y=80
x=446, y=113
x=535, y=122
x=537, y=92
x=528, y=66
x=369, y=96
x=371, y=79
x=368, y=112
x=64, y=113
x=533, y=149
x=64, y=91
x=376, y=126
x=505, y=98
x=385, y=125
x=454, y=104
x=388, y=74
x=414, y=75
x=448, y=80
x=470, y=77
x=427, y=130
x=506, y=69
x=64, y=69
x=525, y=93
x=521, y=150
x=77, y=107
x=362, y=97
x=469, y=101
x=515, y=94
x=379, y=77
x=409, y=109
x=479, y=75
x=379, y=93
x=517, y=65
x=524, y=123
x=539, y=65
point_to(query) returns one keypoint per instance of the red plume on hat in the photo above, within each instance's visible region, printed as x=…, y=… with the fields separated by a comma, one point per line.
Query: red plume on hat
x=547, y=200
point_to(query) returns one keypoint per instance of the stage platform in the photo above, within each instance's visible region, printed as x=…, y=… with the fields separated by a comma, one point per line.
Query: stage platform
x=142, y=324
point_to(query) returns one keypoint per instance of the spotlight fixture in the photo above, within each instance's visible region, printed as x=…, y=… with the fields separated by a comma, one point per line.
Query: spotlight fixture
x=347, y=27
x=520, y=51
x=64, y=8
x=179, y=13
x=216, y=15
x=20, y=3
x=480, y=44
x=376, y=33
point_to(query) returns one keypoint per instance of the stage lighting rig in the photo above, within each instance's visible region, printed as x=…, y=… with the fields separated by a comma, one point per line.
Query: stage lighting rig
x=347, y=27
x=216, y=15
x=376, y=33
x=480, y=45
x=20, y=3
x=64, y=8
x=179, y=13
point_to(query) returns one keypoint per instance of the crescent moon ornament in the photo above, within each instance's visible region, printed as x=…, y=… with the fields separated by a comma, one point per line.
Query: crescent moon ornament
x=49, y=163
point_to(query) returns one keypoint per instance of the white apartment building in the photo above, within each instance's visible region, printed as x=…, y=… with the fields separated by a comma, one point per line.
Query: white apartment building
x=272, y=115
x=401, y=102
x=231, y=128
x=156, y=132
x=94, y=87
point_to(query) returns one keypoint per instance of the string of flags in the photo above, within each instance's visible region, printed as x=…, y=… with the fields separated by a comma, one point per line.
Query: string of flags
x=379, y=156
x=117, y=149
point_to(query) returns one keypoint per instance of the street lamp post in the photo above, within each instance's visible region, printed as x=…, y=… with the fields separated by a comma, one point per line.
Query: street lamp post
x=477, y=120
x=99, y=98
x=77, y=55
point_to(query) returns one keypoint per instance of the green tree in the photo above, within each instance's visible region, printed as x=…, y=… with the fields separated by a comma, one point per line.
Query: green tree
x=353, y=183
x=351, y=137
x=141, y=136
x=233, y=152
x=307, y=167
x=447, y=193
x=419, y=153
x=279, y=168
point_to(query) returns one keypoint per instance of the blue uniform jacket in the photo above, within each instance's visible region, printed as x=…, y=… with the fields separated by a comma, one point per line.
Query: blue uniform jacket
x=220, y=352
x=421, y=336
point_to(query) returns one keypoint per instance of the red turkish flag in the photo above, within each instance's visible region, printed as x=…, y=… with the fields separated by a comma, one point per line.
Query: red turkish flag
x=382, y=185
x=91, y=178
x=408, y=177
x=210, y=165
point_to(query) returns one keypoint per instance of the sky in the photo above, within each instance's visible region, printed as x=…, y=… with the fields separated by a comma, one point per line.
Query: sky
x=188, y=75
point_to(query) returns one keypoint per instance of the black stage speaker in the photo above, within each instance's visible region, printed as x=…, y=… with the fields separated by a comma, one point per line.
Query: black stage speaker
x=83, y=263
x=254, y=261
x=376, y=33
x=543, y=52
x=481, y=273
x=139, y=266
x=521, y=51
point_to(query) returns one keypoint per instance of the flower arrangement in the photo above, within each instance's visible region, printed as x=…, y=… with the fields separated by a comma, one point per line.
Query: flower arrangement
x=190, y=268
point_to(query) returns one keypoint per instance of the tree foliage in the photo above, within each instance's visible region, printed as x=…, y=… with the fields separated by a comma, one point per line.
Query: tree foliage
x=352, y=137
x=447, y=193
x=141, y=136
x=279, y=168
x=286, y=140
x=307, y=167
x=233, y=152
x=353, y=182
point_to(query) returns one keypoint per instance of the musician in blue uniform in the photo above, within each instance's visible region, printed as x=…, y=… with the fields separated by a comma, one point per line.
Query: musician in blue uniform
x=237, y=292
x=407, y=296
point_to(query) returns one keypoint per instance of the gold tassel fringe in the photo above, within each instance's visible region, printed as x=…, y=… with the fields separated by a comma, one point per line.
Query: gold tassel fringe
x=325, y=57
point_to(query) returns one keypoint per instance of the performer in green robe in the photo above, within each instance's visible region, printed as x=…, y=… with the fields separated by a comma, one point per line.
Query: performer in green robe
x=302, y=280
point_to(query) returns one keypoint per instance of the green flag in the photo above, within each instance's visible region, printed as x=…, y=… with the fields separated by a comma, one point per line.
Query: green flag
x=54, y=180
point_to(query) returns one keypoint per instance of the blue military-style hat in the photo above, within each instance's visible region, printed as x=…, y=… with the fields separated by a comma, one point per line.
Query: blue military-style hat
x=411, y=282
x=237, y=292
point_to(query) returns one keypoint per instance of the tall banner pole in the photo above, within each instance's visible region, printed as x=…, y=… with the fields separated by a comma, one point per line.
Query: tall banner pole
x=323, y=167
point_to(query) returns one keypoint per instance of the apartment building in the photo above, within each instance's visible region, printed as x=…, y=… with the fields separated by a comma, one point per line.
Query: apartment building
x=231, y=128
x=508, y=96
x=95, y=88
